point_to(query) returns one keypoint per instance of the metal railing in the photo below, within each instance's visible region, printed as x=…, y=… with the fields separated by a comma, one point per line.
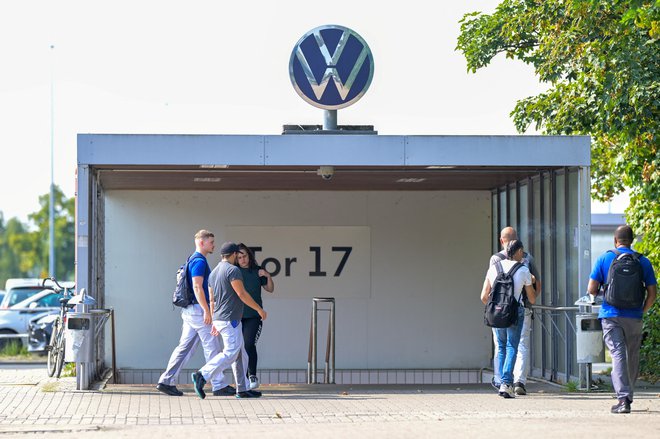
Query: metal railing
x=569, y=314
x=329, y=372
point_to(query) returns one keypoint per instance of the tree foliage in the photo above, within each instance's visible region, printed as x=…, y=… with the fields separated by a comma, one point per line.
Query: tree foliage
x=601, y=62
x=24, y=248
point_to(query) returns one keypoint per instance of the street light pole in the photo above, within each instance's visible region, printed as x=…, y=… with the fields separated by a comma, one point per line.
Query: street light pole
x=51, y=204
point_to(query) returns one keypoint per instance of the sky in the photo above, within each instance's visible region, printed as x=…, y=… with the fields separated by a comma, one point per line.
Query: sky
x=211, y=67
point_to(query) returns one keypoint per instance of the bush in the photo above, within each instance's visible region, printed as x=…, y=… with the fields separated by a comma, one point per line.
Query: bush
x=649, y=356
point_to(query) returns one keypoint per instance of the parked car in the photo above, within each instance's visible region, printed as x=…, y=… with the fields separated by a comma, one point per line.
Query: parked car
x=18, y=290
x=2, y=295
x=39, y=332
x=16, y=318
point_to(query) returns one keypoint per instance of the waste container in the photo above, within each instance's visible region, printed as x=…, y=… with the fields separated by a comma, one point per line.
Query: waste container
x=588, y=332
x=79, y=330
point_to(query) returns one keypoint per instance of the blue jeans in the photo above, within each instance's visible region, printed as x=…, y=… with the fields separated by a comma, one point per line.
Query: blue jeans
x=507, y=344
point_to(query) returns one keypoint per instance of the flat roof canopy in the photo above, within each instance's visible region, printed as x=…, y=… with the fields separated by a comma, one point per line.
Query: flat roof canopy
x=290, y=162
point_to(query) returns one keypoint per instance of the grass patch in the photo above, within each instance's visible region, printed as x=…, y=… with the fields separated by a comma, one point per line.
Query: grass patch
x=69, y=370
x=14, y=348
x=50, y=387
x=571, y=386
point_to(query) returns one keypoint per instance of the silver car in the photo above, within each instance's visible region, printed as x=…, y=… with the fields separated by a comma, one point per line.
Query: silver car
x=15, y=319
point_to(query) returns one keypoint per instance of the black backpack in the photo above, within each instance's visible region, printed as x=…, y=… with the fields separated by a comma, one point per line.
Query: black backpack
x=502, y=308
x=625, y=281
x=184, y=294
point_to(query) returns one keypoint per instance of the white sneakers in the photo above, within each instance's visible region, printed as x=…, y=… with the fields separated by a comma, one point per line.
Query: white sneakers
x=506, y=390
x=253, y=382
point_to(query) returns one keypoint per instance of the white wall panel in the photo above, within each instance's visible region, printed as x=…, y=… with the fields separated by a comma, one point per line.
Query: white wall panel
x=429, y=253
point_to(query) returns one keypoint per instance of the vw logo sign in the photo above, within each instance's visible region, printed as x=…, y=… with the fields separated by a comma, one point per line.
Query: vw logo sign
x=331, y=67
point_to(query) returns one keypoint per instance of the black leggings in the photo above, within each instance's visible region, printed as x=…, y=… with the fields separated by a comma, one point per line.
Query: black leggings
x=251, y=333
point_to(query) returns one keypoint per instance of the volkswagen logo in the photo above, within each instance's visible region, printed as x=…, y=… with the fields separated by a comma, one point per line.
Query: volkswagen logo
x=331, y=67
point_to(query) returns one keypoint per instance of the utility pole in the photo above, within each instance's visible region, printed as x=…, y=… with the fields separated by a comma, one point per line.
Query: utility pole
x=51, y=204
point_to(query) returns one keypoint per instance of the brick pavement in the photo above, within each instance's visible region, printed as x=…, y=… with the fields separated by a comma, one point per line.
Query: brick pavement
x=30, y=403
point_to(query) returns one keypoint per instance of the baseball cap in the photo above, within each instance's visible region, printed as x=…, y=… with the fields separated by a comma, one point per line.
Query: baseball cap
x=228, y=248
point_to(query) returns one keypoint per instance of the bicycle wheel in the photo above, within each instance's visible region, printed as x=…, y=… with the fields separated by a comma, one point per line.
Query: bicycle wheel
x=60, y=355
x=51, y=361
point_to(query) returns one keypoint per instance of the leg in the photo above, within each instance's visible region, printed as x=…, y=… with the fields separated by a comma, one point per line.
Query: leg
x=501, y=353
x=239, y=367
x=497, y=367
x=521, y=368
x=251, y=333
x=211, y=347
x=633, y=334
x=615, y=341
x=181, y=354
x=232, y=339
x=512, y=339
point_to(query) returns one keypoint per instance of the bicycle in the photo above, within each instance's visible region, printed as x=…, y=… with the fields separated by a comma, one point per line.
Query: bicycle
x=55, y=347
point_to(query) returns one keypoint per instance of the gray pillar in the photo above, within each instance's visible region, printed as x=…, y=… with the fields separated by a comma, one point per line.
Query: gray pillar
x=329, y=120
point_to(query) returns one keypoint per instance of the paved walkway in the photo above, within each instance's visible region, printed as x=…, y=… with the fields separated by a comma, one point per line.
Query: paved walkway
x=30, y=402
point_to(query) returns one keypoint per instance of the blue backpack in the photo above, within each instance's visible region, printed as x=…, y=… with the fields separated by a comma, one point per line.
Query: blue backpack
x=184, y=294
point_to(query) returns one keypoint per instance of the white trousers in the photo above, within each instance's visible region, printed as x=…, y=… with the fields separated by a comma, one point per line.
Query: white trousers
x=521, y=368
x=193, y=330
x=233, y=355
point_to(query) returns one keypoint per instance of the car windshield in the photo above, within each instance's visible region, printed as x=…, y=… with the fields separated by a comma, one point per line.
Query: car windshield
x=20, y=294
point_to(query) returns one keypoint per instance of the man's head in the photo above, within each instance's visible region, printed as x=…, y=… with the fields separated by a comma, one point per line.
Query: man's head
x=507, y=235
x=204, y=242
x=623, y=235
x=228, y=251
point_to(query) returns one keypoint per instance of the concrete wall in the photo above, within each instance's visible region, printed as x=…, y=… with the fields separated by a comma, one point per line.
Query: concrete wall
x=427, y=254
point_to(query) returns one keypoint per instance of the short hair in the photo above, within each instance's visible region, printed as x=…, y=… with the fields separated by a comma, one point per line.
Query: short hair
x=204, y=234
x=624, y=234
x=512, y=247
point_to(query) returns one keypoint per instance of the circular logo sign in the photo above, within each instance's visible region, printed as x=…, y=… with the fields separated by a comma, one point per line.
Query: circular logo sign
x=331, y=67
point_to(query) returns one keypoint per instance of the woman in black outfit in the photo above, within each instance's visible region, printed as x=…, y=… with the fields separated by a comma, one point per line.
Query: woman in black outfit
x=254, y=278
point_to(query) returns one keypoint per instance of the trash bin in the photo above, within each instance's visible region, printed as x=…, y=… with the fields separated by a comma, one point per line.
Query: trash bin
x=79, y=330
x=588, y=332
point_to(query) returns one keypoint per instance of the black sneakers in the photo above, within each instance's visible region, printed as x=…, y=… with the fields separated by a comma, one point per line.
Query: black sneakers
x=198, y=383
x=623, y=406
x=248, y=394
x=169, y=390
x=519, y=389
x=225, y=391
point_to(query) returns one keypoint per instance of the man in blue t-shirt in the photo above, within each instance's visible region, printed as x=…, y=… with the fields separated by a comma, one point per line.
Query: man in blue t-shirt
x=622, y=328
x=196, y=325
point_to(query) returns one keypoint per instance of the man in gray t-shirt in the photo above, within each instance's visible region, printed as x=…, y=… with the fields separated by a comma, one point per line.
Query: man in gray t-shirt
x=228, y=296
x=228, y=306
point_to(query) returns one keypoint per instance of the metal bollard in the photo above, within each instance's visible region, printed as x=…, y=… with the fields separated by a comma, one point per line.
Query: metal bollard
x=329, y=372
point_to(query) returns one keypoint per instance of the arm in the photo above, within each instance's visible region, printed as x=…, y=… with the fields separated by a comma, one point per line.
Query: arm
x=270, y=286
x=651, y=293
x=198, y=287
x=531, y=294
x=238, y=286
x=537, y=293
x=485, y=291
x=593, y=287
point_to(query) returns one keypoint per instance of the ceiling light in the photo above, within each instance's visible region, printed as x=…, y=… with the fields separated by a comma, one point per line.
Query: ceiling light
x=410, y=180
x=206, y=179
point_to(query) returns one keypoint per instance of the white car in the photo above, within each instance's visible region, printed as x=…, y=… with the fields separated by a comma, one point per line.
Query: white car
x=15, y=319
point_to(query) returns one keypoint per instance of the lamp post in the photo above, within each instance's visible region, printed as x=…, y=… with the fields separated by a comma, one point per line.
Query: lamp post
x=51, y=204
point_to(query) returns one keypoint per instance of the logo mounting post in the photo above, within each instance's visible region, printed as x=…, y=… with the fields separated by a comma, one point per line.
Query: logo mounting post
x=331, y=67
